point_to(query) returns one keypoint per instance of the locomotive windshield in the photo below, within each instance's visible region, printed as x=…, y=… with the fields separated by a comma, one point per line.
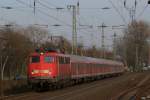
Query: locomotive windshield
x=48, y=59
x=35, y=59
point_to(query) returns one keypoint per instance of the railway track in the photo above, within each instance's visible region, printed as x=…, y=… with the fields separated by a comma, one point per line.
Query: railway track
x=62, y=93
x=18, y=96
x=130, y=93
x=87, y=91
x=79, y=91
x=78, y=94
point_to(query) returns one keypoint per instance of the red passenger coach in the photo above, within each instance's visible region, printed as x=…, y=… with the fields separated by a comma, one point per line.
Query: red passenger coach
x=51, y=68
x=87, y=67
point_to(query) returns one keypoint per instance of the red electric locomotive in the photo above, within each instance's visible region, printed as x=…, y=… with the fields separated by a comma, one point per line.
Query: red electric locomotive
x=51, y=68
x=48, y=68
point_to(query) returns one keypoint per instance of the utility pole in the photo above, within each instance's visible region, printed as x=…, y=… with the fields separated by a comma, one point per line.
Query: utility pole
x=1, y=82
x=132, y=13
x=92, y=40
x=103, y=39
x=114, y=44
x=35, y=2
x=74, y=28
x=148, y=43
x=114, y=38
x=34, y=7
x=148, y=2
x=131, y=10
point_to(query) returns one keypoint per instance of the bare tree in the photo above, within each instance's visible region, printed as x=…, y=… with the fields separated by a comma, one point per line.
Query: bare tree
x=37, y=35
x=133, y=47
x=16, y=48
x=60, y=43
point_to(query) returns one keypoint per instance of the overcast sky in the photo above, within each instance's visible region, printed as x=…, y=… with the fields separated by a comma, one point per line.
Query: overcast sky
x=90, y=13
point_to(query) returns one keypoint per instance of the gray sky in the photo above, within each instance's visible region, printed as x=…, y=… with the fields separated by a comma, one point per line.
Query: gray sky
x=90, y=13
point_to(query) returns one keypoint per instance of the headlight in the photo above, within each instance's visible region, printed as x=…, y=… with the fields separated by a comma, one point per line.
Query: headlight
x=35, y=71
x=45, y=71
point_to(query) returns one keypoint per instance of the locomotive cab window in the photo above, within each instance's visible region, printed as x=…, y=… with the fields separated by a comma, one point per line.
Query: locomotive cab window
x=48, y=59
x=35, y=59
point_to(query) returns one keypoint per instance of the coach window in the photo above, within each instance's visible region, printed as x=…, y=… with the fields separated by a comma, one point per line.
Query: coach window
x=68, y=60
x=65, y=60
x=35, y=59
x=49, y=59
x=61, y=60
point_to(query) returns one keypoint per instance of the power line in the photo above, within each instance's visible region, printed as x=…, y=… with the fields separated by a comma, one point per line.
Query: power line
x=118, y=11
x=48, y=14
x=30, y=6
x=58, y=8
x=45, y=13
x=23, y=3
x=50, y=3
x=54, y=18
x=142, y=12
x=44, y=5
x=80, y=8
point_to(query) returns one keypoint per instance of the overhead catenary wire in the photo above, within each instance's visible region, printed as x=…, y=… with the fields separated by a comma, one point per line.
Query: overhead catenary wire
x=142, y=12
x=21, y=9
x=64, y=8
x=48, y=8
x=42, y=11
x=44, y=5
x=48, y=15
x=55, y=18
x=90, y=30
x=49, y=3
x=122, y=17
